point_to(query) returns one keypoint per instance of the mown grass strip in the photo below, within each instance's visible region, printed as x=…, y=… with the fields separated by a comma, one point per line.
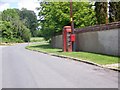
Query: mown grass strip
x=96, y=58
x=36, y=39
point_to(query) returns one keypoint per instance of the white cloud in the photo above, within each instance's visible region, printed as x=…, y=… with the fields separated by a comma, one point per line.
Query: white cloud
x=9, y=1
x=4, y=6
x=29, y=4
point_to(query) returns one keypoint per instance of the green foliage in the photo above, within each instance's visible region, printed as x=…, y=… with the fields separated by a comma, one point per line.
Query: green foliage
x=25, y=34
x=114, y=11
x=101, y=12
x=55, y=15
x=38, y=33
x=0, y=24
x=0, y=16
x=10, y=15
x=29, y=19
x=37, y=39
x=12, y=28
x=83, y=14
x=12, y=40
x=6, y=29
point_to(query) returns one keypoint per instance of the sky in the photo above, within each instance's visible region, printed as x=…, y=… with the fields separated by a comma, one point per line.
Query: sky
x=29, y=4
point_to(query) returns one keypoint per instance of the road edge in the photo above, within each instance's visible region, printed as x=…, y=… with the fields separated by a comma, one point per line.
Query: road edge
x=75, y=59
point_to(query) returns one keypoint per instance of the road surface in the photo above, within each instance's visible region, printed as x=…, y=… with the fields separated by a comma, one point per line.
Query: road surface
x=22, y=68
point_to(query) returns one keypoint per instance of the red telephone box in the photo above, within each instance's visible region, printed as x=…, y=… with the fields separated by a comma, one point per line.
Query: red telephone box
x=67, y=44
x=68, y=38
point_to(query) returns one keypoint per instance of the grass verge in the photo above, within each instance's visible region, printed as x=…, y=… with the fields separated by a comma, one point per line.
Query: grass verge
x=92, y=57
x=8, y=42
x=36, y=39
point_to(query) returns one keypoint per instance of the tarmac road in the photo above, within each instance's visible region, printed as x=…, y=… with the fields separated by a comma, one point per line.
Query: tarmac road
x=22, y=68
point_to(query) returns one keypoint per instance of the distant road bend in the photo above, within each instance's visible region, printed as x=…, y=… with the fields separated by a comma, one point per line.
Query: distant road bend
x=22, y=68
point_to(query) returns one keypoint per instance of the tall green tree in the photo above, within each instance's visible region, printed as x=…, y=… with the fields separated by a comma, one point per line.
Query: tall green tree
x=29, y=18
x=0, y=16
x=101, y=12
x=0, y=24
x=10, y=15
x=10, y=18
x=83, y=14
x=114, y=11
x=55, y=15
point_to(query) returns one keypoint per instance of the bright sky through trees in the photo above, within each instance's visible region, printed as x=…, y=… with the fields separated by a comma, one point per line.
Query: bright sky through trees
x=28, y=4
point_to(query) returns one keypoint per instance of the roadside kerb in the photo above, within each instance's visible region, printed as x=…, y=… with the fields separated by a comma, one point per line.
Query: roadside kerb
x=76, y=59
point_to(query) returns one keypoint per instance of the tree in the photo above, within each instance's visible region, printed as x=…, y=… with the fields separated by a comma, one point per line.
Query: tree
x=10, y=15
x=101, y=12
x=0, y=24
x=114, y=11
x=13, y=27
x=83, y=14
x=25, y=35
x=0, y=16
x=6, y=29
x=29, y=19
x=55, y=15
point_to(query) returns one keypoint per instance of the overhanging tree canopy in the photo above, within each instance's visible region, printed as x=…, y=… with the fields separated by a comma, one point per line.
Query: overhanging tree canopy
x=55, y=15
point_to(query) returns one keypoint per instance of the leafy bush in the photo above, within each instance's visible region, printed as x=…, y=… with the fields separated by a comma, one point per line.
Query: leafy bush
x=13, y=40
x=25, y=34
x=12, y=28
x=6, y=29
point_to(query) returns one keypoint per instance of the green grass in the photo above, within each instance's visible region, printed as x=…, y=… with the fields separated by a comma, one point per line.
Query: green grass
x=36, y=39
x=96, y=58
x=6, y=41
